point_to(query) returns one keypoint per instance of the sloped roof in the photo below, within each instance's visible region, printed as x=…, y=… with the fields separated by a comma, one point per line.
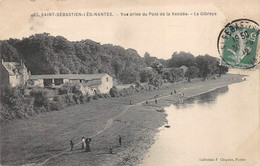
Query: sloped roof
x=11, y=67
x=69, y=76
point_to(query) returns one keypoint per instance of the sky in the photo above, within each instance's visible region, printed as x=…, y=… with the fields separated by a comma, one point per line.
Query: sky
x=160, y=36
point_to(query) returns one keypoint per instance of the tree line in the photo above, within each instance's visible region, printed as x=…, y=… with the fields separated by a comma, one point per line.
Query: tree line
x=46, y=54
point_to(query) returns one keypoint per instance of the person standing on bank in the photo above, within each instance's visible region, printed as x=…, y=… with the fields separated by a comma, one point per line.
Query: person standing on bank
x=83, y=143
x=120, y=140
x=111, y=150
x=71, y=144
x=87, y=141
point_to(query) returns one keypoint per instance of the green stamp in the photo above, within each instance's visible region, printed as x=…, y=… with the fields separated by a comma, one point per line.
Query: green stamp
x=238, y=44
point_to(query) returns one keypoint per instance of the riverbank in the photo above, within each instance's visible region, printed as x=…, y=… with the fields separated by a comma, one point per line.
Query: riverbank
x=217, y=128
x=103, y=121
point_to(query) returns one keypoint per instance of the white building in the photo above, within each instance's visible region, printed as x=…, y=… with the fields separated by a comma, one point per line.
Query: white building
x=99, y=83
x=13, y=73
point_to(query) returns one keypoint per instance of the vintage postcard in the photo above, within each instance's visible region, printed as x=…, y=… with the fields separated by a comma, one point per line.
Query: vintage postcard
x=129, y=82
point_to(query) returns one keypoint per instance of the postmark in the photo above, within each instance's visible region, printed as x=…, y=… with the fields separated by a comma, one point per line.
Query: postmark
x=238, y=44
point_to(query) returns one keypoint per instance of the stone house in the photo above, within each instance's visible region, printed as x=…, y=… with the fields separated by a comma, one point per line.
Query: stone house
x=16, y=73
x=13, y=73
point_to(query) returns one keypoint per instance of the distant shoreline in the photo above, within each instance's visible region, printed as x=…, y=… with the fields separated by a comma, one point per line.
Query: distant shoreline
x=103, y=120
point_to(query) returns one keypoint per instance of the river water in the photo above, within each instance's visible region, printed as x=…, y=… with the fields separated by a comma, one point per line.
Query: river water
x=214, y=129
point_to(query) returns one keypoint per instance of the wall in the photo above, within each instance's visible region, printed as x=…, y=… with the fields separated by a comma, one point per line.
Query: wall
x=106, y=85
x=24, y=74
x=66, y=81
x=38, y=82
x=19, y=74
x=14, y=80
x=4, y=80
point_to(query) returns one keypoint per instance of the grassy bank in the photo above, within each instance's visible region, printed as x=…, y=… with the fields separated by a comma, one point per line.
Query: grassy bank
x=44, y=139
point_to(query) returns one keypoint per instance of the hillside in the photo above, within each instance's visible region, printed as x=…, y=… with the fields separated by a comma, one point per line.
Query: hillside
x=45, y=54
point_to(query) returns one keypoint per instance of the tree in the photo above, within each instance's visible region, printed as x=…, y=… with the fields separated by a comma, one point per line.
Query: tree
x=207, y=65
x=157, y=65
x=222, y=69
x=45, y=54
x=191, y=72
x=146, y=75
x=177, y=74
x=156, y=80
x=129, y=75
x=148, y=59
x=182, y=58
x=8, y=52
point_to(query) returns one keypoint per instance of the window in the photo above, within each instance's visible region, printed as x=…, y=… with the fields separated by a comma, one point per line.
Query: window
x=58, y=81
x=107, y=79
x=47, y=82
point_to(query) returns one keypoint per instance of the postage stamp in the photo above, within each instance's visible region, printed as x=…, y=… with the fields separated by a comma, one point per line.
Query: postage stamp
x=238, y=44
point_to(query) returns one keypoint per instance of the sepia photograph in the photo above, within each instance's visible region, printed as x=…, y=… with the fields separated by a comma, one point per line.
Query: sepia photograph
x=129, y=83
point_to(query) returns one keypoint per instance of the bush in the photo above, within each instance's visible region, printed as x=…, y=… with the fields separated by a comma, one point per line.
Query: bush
x=65, y=89
x=28, y=106
x=5, y=114
x=82, y=99
x=100, y=95
x=55, y=106
x=95, y=97
x=76, y=89
x=113, y=92
x=41, y=97
x=70, y=100
x=107, y=95
x=89, y=99
x=15, y=104
x=40, y=110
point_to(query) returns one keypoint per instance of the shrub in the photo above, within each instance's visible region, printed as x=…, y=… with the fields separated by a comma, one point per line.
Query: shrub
x=55, y=106
x=14, y=104
x=100, y=95
x=95, y=97
x=40, y=109
x=76, y=98
x=82, y=99
x=28, y=106
x=41, y=97
x=89, y=99
x=113, y=92
x=5, y=114
x=65, y=89
x=76, y=89
x=106, y=95
x=70, y=100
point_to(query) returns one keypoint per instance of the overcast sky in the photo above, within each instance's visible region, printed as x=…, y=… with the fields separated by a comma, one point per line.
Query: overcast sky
x=160, y=36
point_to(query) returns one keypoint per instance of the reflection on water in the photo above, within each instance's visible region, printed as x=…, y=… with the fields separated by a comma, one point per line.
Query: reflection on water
x=206, y=98
x=211, y=96
x=220, y=124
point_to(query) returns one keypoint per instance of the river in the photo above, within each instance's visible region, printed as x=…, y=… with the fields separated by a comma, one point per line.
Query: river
x=214, y=129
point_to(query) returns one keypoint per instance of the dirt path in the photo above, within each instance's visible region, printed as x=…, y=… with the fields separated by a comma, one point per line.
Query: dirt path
x=110, y=121
x=49, y=133
x=108, y=124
